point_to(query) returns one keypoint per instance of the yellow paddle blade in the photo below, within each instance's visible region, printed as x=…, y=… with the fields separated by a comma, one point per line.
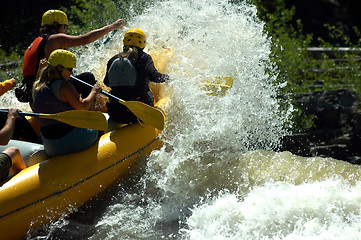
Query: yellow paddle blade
x=217, y=86
x=149, y=115
x=79, y=118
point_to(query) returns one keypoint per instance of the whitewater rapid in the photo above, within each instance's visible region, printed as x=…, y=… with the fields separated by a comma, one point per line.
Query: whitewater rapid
x=216, y=177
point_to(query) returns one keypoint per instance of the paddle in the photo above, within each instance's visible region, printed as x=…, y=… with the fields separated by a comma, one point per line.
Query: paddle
x=217, y=86
x=109, y=37
x=149, y=115
x=76, y=118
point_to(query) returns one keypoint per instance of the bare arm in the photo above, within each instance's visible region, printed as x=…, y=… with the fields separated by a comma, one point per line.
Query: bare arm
x=69, y=94
x=7, y=131
x=62, y=41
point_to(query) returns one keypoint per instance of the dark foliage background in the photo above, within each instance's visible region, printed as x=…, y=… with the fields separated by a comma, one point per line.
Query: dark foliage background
x=314, y=14
x=20, y=19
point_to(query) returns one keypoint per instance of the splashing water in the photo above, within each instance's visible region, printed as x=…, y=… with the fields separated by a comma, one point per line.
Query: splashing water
x=210, y=180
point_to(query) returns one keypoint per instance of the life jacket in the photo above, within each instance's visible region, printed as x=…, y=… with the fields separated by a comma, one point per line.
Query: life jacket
x=122, y=73
x=32, y=56
x=127, y=82
x=48, y=101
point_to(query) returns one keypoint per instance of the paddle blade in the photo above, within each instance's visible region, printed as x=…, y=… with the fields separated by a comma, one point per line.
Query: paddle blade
x=80, y=118
x=149, y=115
x=217, y=86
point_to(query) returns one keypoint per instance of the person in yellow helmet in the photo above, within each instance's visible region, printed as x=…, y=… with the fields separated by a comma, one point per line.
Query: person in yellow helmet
x=128, y=75
x=54, y=93
x=53, y=35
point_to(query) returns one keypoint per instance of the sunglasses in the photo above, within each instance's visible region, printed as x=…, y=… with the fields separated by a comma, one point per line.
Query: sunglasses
x=66, y=27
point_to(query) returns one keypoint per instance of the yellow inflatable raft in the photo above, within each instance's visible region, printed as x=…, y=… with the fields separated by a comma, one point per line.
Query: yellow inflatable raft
x=53, y=187
x=46, y=190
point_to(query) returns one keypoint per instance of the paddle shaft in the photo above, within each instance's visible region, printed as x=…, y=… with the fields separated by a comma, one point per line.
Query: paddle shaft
x=22, y=113
x=109, y=37
x=76, y=118
x=148, y=114
x=103, y=92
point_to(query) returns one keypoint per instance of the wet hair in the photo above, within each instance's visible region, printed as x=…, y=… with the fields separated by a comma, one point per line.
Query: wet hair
x=49, y=74
x=131, y=53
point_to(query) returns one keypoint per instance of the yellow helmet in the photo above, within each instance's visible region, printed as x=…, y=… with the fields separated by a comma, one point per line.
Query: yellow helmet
x=62, y=57
x=51, y=16
x=135, y=37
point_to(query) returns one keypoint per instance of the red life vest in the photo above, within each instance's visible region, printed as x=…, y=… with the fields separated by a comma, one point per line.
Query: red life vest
x=31, y=58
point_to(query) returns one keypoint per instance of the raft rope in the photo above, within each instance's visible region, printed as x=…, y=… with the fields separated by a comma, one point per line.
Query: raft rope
x=76, y=184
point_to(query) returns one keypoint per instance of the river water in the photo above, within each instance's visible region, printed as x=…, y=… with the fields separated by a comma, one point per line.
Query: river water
x=216, y=177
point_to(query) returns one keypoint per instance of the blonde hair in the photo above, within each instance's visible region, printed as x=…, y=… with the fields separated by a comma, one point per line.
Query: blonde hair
x=131, y=53
x=47, y=75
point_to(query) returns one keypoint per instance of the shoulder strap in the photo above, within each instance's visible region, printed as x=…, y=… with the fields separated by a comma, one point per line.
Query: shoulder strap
x=55, y=88
x=41, y=48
